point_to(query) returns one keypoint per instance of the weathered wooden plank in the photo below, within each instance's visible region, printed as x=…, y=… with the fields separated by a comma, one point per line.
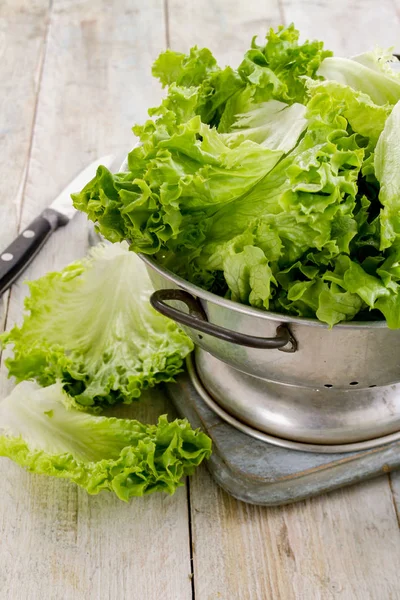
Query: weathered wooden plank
x=22, y=33
x=347, y=28
x=345, y=544
x=56, y=541
x=394, y=479
x=226, y=26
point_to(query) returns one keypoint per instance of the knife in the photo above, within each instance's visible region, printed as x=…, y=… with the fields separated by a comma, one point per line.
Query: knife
x=19, y=254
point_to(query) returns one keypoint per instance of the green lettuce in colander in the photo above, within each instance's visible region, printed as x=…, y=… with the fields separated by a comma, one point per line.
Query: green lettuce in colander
x=275, y=184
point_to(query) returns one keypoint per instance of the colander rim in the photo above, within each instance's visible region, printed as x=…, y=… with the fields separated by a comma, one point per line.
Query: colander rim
x=249, y=310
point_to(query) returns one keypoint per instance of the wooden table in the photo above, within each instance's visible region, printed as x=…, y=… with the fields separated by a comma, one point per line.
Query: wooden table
x=75, y=76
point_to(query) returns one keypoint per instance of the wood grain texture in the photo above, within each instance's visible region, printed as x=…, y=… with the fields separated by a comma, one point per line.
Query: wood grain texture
x=56, y=541
x=347, y=28
x=394, y=479
x=342, y=545
x=23, y=25
x=225, y=26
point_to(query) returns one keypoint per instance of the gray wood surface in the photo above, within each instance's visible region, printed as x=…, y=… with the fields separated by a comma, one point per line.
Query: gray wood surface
x=22, y=38
x=74, y=76
x=95, y=82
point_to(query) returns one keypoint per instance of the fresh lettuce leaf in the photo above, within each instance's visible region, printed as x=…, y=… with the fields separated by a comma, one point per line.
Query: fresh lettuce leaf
x=336, y=305
x=364, y=117
x=306, y=204
x=129, y=458
x=354, y=279
x=382, y=87
x=249, y=276
x=387, y=161
x=390, y=308
x=278, y=69
x=199, y=72
x=380, y=59
x=215, y=92
x=184, y=70
x=275, y=70
x=272, y=124
x=190, y=172
x=302, y=200
x=92, y=326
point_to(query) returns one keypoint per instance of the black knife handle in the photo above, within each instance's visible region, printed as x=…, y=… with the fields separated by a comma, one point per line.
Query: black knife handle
x=15, y=259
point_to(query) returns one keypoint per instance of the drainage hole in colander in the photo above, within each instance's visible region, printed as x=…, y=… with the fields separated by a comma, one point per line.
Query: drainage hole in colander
x=374, y=385
x=200, y=337
x=353, y=382
x=328, y=385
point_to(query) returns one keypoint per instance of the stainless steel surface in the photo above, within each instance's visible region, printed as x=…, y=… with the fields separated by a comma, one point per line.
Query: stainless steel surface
x=351, y=355
x=339, y=387
x=275, y=440
x=301, y=414
x=63, y=203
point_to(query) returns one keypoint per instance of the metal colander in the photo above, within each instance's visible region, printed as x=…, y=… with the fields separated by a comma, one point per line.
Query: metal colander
x=290, y=377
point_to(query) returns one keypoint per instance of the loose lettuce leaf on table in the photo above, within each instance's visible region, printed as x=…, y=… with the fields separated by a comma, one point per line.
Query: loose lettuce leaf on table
x=92, y=326
x=126, y=457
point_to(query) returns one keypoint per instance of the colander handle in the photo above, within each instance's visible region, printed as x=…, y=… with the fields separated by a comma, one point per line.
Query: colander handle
x=197, y=319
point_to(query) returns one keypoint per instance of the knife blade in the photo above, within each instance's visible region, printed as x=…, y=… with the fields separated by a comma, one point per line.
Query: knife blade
x=19, y=254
